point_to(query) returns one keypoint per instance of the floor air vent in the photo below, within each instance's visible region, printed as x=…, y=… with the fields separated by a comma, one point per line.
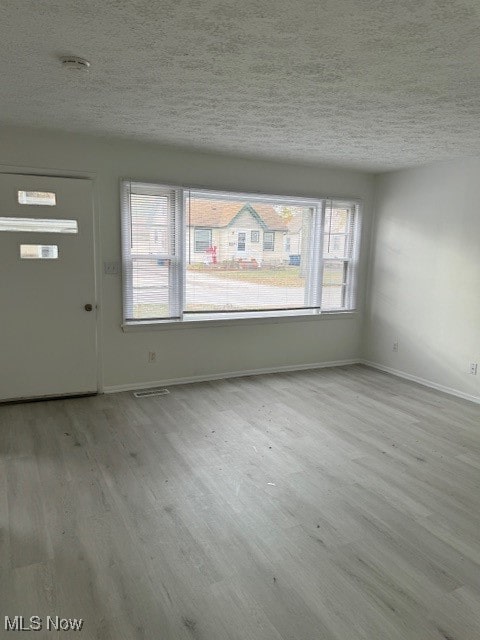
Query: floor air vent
x=147, y=393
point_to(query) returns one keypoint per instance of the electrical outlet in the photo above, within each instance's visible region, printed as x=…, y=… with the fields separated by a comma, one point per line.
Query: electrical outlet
x=152, y=356
x=395, y=346
x=473, y=368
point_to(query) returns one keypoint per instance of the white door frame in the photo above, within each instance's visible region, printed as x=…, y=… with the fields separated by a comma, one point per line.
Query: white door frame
x=81, y=175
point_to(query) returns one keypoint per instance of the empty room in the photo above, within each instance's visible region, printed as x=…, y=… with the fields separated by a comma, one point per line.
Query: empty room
x=240, y=319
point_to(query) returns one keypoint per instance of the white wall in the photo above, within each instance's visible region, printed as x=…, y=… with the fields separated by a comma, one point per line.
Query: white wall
x=208, y=350
x=425, y=274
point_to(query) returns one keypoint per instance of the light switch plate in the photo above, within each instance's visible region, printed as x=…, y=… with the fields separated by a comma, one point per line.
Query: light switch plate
x=111, y=267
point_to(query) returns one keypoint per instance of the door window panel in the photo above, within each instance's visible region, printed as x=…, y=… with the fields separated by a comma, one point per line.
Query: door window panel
x=37, y=225
x=43, y=198
x=38, y=251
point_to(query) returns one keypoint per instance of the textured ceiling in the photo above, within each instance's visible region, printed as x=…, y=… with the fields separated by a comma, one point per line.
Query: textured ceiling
x=375, y=84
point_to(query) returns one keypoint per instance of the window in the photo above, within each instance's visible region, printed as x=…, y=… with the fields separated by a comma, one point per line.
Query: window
x=38, y=251
x=36, y=225
x=43, y=198
x=186, y=255
x=338, y=255
x=152, y=272
x=268, y=241
x=203, y=239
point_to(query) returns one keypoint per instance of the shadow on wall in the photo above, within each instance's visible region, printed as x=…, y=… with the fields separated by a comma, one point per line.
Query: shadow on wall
x=426, y=268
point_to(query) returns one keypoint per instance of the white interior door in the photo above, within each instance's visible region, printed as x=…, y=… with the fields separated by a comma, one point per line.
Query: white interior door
x=47, y=284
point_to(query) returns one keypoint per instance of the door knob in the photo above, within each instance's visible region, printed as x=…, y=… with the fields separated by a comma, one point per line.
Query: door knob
x=88, y=307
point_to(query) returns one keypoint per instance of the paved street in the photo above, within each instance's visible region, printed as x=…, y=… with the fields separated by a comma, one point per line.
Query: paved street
x=207, y=289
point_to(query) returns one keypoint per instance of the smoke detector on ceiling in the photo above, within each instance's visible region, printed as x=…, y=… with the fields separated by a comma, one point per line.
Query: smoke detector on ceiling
x=75, y=63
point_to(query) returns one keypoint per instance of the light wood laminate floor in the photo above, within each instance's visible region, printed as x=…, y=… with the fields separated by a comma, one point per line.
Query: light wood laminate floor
x=339, y=504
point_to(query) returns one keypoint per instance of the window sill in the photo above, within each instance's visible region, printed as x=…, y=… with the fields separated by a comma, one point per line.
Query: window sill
x=250, y=319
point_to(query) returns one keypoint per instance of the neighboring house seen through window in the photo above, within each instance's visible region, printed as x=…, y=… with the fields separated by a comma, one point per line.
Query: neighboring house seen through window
x=203, y=255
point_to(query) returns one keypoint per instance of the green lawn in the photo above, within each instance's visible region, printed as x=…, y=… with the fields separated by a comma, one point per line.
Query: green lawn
x=282, y=277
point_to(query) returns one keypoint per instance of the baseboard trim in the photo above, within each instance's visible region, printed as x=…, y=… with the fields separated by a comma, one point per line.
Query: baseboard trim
x=422, y=381
x=228, y=374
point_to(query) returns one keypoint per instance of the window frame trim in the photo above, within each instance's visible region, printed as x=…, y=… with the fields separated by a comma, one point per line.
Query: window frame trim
x=244, y=318
x=183, y=194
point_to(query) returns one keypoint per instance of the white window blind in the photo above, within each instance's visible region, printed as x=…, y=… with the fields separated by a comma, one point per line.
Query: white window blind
x=151, y=255
x=191, y=254
x=339, y=255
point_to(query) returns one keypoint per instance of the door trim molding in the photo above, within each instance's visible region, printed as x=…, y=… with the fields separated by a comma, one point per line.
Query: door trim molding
x=47, y=172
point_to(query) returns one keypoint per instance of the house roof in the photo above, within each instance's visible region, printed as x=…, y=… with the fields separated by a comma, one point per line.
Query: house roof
x=221, y=213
